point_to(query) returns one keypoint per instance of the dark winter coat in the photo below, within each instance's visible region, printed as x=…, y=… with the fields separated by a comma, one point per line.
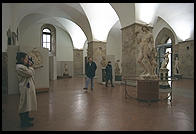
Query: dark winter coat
x=108, y=72
x=90, y=69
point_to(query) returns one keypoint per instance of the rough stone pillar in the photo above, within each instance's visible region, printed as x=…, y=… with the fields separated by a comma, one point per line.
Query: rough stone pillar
x=78, y=62
x=97, y=49
x=4, y=73
x=130, y=51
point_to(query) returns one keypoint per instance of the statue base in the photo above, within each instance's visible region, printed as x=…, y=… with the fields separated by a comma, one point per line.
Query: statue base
x=178, y=76
x=148, y=77
x=148, y=90
x=164, y=78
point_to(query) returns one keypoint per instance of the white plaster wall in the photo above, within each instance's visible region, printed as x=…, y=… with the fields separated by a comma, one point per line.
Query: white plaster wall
x=31, y=36
x=64, y=47
x=114, y=45
x=6, y=22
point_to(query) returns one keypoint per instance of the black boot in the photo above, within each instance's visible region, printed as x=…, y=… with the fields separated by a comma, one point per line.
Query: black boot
x=106, y=83
x=24, y=122
x=27, y=117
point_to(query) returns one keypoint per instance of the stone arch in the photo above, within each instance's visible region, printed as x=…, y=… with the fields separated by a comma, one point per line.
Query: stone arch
x=164, y=35
x=53, y=37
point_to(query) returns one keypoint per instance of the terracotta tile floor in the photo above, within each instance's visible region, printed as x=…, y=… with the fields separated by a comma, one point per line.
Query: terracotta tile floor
x=67, y=107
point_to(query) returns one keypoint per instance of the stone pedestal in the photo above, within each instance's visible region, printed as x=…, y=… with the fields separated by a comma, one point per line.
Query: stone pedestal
x=148, y=90
x=163, y=75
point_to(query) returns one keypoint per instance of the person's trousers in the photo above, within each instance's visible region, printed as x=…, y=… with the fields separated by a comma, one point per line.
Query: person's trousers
x=110, y=81
x=87, y=82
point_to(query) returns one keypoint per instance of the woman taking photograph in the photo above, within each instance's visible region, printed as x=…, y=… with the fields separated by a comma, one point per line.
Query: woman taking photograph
x=28, y=101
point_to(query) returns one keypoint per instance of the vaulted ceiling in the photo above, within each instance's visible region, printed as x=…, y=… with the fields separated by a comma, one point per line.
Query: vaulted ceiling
x=93, y=21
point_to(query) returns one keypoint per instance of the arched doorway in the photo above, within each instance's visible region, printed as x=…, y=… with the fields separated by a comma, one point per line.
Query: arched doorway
x=163, y=43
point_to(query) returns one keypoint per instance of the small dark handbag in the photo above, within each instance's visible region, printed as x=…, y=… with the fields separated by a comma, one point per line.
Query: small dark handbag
x=28, y=85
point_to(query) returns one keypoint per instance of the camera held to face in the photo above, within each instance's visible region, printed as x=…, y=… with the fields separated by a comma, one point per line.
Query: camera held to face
x=30, y=61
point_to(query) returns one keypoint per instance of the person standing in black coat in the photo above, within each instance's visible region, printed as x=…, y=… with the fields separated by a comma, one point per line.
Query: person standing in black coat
x=90, y=73
x=109, y=74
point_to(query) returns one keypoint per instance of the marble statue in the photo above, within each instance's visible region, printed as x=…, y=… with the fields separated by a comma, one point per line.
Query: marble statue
x=176, y=66
x=103, y=61
x=165, y=62
x=37, y=57
x=117, y=69
x=147, y=53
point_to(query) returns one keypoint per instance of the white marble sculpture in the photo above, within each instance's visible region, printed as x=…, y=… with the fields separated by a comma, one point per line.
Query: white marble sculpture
x=37, y=58
x=117, y=69
x=165, y=62
x=147, y=54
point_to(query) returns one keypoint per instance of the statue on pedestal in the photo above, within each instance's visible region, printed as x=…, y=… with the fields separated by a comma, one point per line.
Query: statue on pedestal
x=65, y=70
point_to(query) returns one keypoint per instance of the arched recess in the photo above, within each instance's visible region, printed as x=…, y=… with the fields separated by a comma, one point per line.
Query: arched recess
x=114, y=43
x=163, y=36
x=53, y=37
x=162, y=45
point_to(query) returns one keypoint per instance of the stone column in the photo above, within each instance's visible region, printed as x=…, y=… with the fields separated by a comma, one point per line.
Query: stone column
x=4, y=73
x=130, y=51
x=97, y=49
x=78, y=61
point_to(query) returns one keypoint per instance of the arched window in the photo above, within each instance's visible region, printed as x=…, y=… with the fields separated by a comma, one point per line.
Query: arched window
x=46, y=39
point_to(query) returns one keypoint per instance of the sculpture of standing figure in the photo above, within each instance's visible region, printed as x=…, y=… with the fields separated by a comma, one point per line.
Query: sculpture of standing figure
x=117, y=69
x=176, y=66
x=147, y=52
x=103, y=61
x=166, y=60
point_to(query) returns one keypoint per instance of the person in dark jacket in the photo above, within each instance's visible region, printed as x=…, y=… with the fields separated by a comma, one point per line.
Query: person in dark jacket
x=109, y=74
x=90, y=73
